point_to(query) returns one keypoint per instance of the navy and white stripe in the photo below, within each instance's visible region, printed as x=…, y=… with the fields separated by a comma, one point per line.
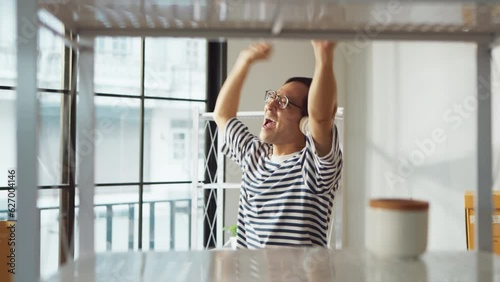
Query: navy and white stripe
x=285, y=204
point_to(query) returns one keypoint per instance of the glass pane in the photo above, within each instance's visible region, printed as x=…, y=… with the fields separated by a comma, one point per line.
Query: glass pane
x=7, y=42
x=175, y=67
x=49, y=139
x=117, y=219
x=168, y=141
x=48, y=203
x=49, y=169
x=4, y=215
x=117, y=137
x=118, y=65
x=8, y=145
x=167, y=217
x=50, y=60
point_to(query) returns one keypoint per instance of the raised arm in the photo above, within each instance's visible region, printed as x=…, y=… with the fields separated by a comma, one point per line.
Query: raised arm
x=322, y=99
x=228, y=99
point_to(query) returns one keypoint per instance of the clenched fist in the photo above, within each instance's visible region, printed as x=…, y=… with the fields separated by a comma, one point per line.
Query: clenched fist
x=256, y=52
x=323, y=44
x=323, y=50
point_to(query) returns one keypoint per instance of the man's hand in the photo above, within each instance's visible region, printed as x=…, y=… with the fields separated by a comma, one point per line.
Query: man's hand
x=323, y=45
x=256, y=52
x=228, y=99
x=323, y=50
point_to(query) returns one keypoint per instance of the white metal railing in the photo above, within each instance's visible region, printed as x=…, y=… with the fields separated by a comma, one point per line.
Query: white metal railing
x=217, y=185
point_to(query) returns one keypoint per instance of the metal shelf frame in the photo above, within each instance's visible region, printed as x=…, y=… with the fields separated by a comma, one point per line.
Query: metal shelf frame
x=28, y=232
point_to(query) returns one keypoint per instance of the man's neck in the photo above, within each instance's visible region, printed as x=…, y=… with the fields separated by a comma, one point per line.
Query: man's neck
x=286, y=149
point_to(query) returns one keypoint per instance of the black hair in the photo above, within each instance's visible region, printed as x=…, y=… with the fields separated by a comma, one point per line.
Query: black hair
x=307, y=82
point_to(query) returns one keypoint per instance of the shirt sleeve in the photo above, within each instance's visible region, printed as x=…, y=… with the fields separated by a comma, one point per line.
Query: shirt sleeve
x=322, y=174
x=238, y=141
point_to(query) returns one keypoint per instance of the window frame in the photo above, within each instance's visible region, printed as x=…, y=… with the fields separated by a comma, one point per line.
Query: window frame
x=216, y=60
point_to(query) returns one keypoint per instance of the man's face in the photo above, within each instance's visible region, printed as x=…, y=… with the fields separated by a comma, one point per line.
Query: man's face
x=281, y=126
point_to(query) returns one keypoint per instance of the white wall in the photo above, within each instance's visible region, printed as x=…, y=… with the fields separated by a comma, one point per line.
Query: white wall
x=419, y=146
x=419, y=134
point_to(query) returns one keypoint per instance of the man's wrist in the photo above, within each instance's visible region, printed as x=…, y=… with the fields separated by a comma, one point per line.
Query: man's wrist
x=244, y=61
x=324, y=61
x=324, y=56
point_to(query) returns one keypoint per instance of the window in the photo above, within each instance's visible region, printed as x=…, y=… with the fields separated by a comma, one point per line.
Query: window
x=8, y=48
x=165, y=131
x=118, y=70
x=161, y=168
x=117, y=140
x=170, y=72
x=100, y=46
x=120, y=46
x=179, y=146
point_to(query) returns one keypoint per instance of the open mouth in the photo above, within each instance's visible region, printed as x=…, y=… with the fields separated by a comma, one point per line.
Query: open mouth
x=269, y=123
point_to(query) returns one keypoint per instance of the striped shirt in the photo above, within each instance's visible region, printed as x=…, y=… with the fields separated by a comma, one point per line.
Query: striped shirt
x=282, y=204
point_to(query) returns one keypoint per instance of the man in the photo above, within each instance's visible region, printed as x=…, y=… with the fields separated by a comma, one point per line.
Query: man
x=289, y=179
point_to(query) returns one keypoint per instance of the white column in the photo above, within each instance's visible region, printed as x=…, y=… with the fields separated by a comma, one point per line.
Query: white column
x=86, y=151
x=28, y=216
x=358, y=86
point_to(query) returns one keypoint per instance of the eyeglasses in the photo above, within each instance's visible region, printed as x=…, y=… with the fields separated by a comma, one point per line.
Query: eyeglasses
x=283, y=101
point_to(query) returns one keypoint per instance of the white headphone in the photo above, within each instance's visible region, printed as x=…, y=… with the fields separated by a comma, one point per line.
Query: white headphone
x=304, y=125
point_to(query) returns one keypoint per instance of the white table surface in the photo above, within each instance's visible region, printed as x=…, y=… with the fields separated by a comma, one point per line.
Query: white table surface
x=288, y=264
